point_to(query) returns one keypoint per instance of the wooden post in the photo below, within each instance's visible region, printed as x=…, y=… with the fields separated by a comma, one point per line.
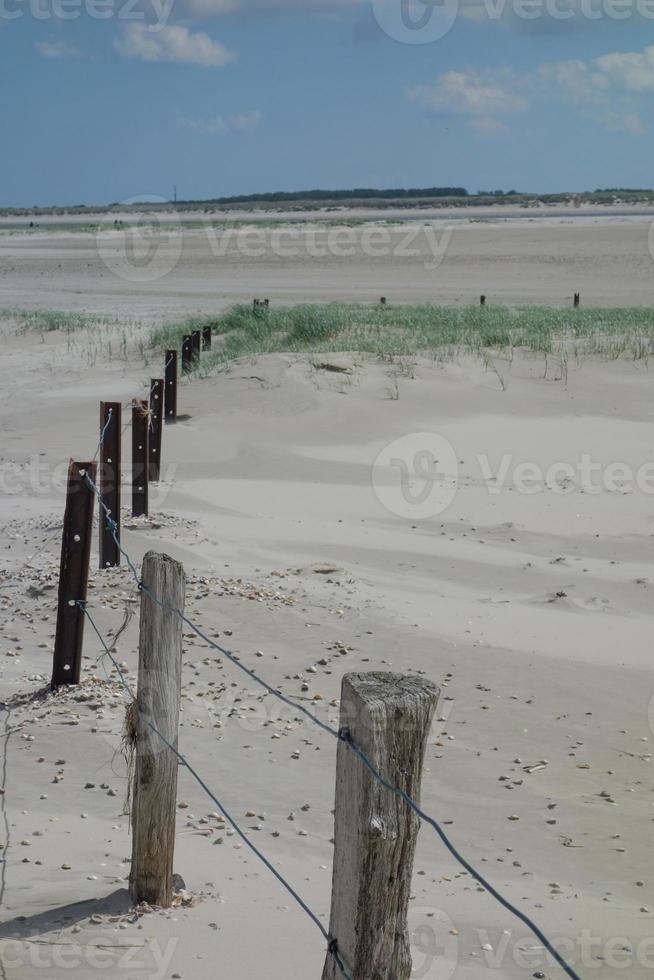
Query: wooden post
x=187, y=354
x=206, y=338
x=171, y=385
x=159, y=694
x=482, y=301
x=74, y=574
x=140, y=455
x=388, y=716
x=156, y=427
x=577, y=300
x=383, y=301
x=196, y=340
x=109, y=482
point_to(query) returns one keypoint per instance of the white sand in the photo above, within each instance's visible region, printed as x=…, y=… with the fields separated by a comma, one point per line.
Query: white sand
x=270, y=476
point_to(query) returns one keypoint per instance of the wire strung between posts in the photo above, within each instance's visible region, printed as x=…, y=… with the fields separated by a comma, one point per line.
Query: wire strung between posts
x=331, y=945
x=345, y=737
x=103, y=434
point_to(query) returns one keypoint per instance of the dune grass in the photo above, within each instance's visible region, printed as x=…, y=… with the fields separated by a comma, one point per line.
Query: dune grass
x=405, y=331
x=47, y=321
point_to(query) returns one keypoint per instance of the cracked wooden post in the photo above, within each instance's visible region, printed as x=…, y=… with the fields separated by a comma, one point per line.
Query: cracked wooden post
x=388, y=716
x=154, y=796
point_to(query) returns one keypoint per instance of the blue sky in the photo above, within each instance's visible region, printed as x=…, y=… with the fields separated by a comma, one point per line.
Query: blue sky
x=104, y=100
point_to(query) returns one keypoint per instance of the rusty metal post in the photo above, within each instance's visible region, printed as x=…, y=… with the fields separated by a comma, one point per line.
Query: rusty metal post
x=109, y=483
x=140, y=452
x=187, y=354
x=206, y=338
x=196, y=339
x=74, y=574
x=171, y=385
x=156, y=427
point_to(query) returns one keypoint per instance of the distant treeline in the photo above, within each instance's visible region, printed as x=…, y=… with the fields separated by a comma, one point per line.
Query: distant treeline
x=357, y=194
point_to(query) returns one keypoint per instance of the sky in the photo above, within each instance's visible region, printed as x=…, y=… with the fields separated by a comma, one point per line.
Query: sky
x=103, y=101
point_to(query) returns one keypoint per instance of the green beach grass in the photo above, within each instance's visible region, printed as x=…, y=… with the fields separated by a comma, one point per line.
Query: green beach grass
x=410, y=331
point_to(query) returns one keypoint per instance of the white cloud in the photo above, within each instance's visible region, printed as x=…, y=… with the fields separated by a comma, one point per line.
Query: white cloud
x=173, y=43
x=222, y=125
x=482, y=96
x=634, y=71
x=57, y=49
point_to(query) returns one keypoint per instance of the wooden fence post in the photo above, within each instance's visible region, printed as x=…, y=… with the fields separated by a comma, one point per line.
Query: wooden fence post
x=140, y=457
x=187, y=354
x=388, y=716
x=159, y=694
x=206, y=338
x=171, y=385
x=577, y=300
x=74, y=574
x=482, y=301
x=109, y=481
x=156, y=426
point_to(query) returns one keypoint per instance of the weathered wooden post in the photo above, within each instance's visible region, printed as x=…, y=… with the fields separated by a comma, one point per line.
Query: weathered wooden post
x=577, y=301
x=187, y=354
x=74, y=574
x=156, y=427
x=482, y=301
x=109, y=481
x=171, y=385
x=388, y=716
x=159, y=694
x=140, y=456
x=206, y=338
x=383, y=301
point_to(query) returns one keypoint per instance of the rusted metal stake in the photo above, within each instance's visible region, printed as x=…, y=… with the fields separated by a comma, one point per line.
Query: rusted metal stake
x=171, y=385
x=196, y=338
x=109, y=484
x=74, y=574
x=140, y=439
x=156, y=428
x=206, y=338
x=187, y=354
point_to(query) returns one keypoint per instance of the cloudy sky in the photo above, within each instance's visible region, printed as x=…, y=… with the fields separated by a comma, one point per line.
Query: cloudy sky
x=105, y=100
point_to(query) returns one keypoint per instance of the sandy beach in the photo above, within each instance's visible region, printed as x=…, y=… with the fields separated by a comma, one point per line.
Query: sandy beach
x=526, y=599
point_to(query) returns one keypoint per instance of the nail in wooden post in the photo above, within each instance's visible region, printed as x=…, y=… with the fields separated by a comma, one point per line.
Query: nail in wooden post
x=156, y=427
x=187, y=354
x=159, y=694
x=140, y=454
x=388, y=716
x=109, y=481
x=171, y=385
x=206, y=338
x=74, y=574
x=196, y=338
x=482, y=301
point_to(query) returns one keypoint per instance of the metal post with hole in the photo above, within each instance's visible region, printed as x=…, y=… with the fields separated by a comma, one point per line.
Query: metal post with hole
x=156, y=428
x=74, y=573
x=140, y=457
x=187, y=354
x=109, y=482
x=388, y=717
x=172, y=359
